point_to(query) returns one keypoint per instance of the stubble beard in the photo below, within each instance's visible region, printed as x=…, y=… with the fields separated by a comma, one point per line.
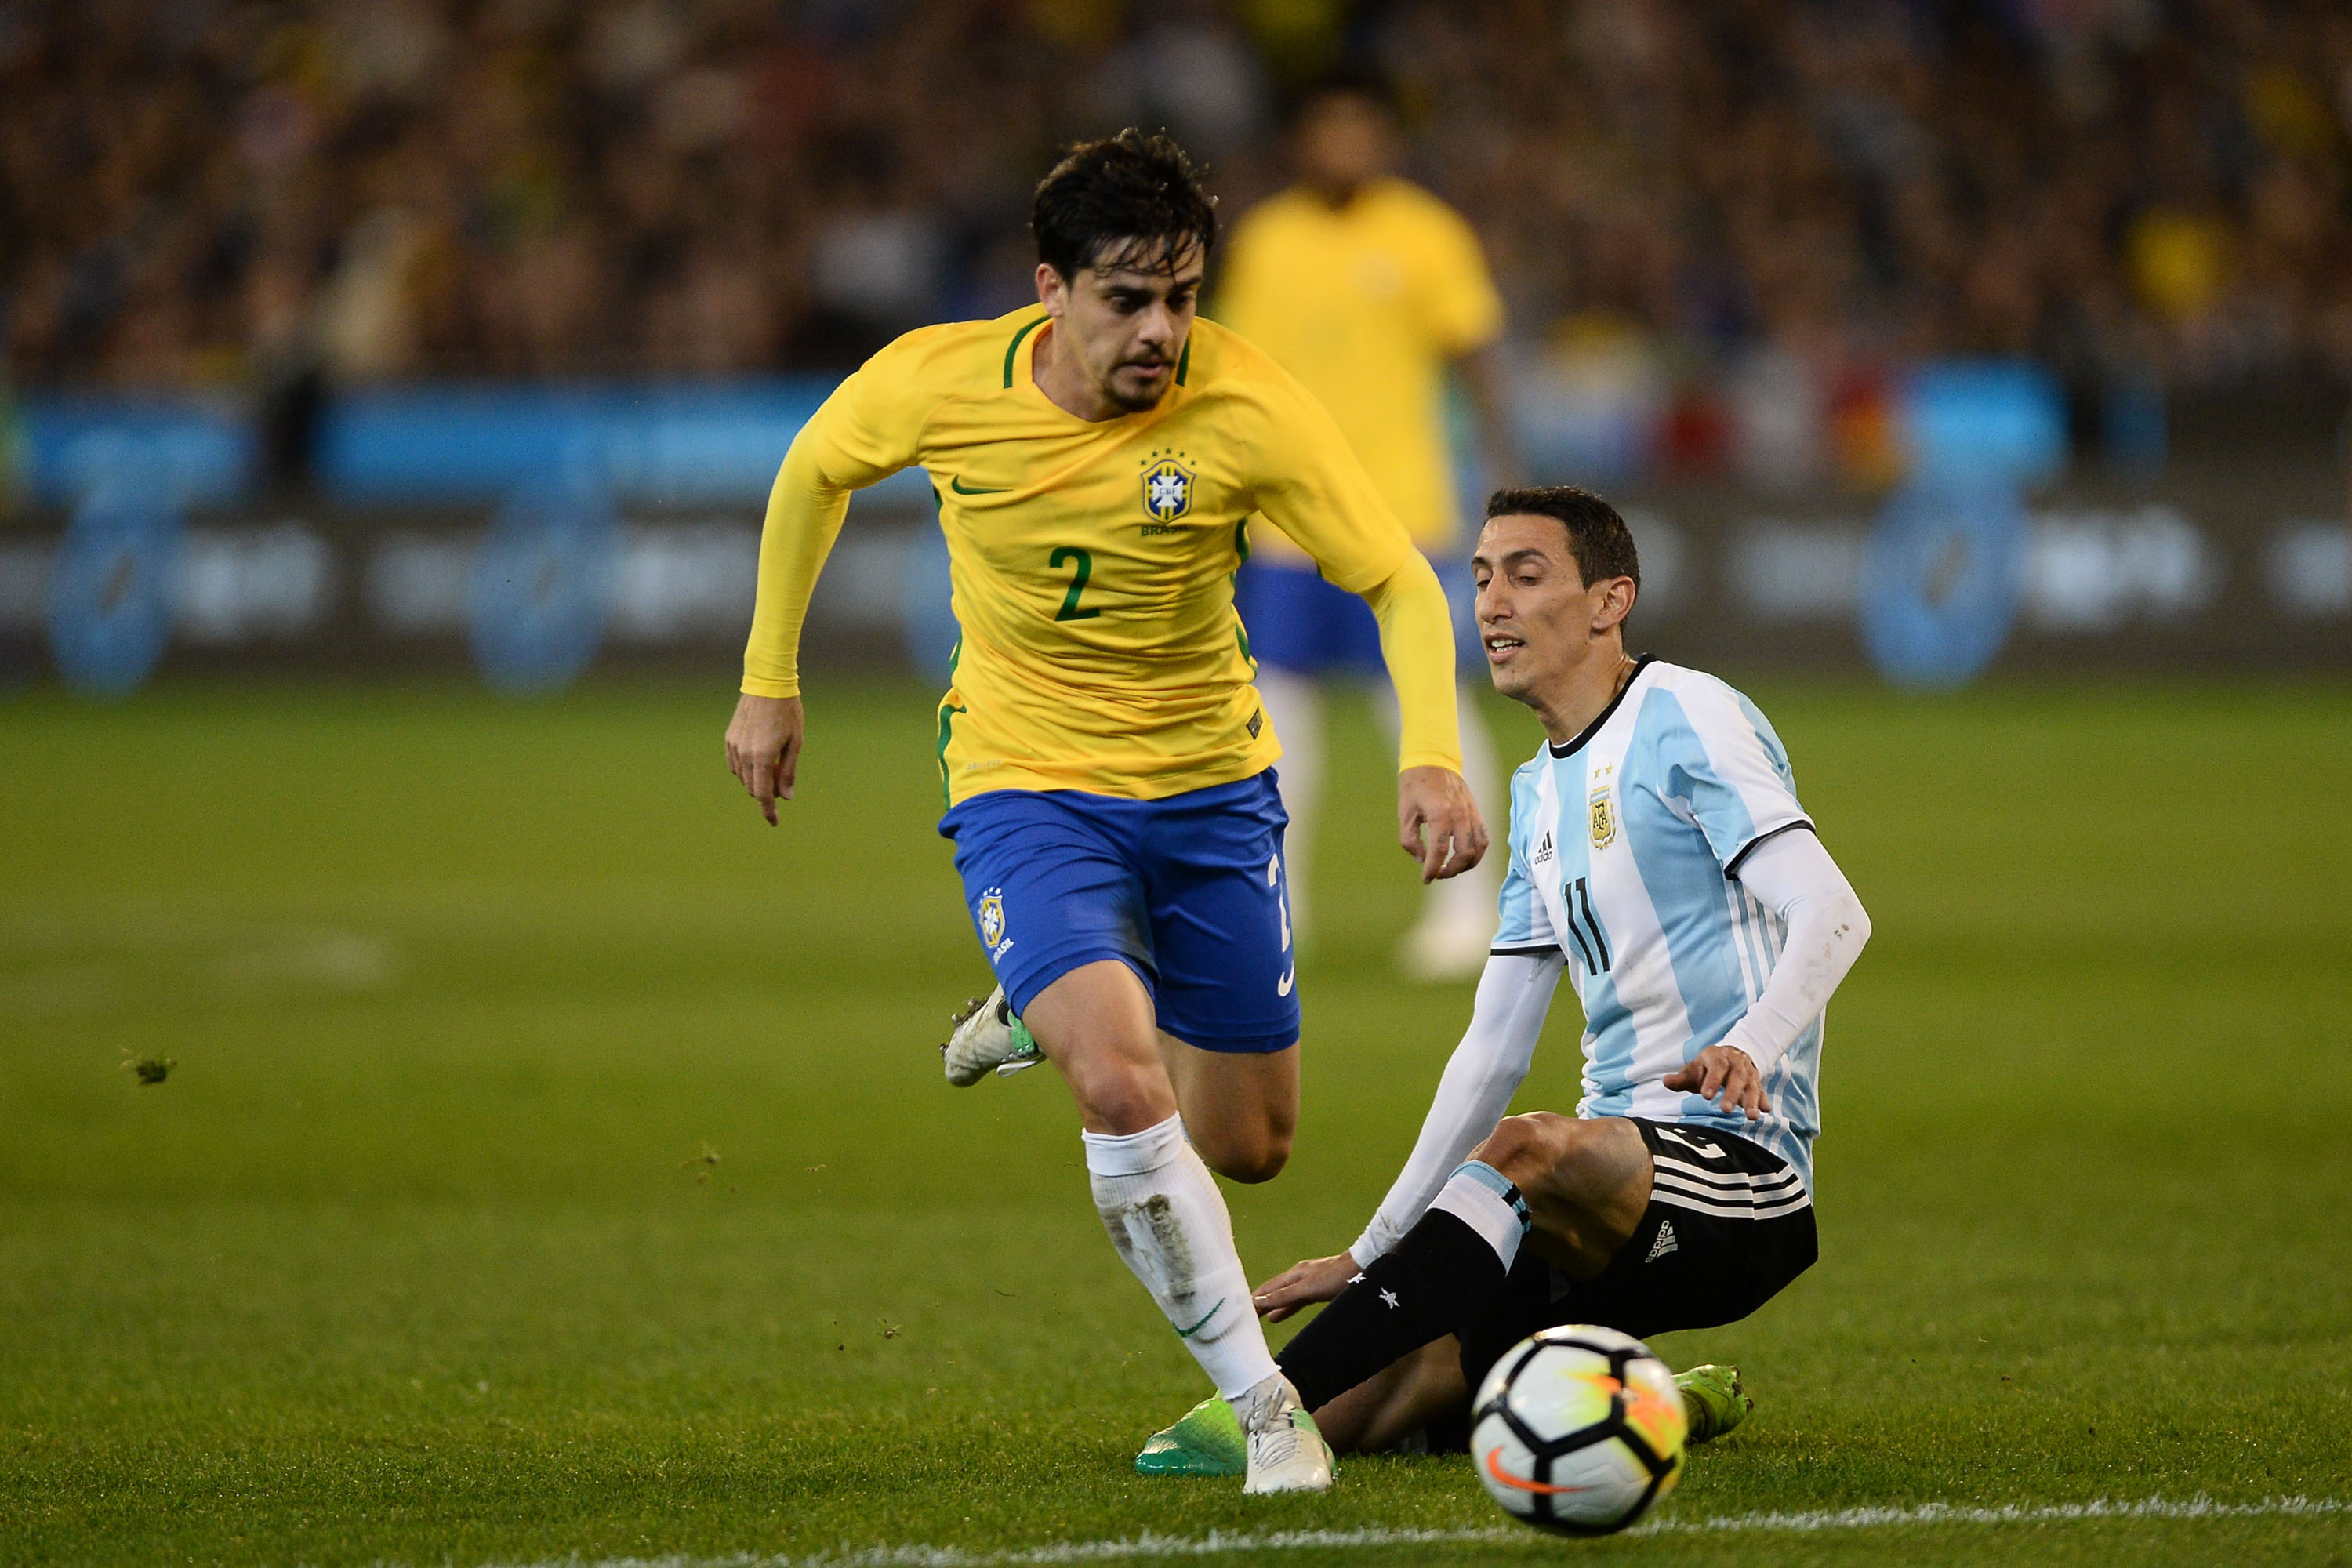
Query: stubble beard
x=1137, y=402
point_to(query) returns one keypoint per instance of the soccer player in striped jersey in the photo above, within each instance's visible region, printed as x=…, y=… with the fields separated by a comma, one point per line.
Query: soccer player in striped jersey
x=1105, y=766
x=1659, y=858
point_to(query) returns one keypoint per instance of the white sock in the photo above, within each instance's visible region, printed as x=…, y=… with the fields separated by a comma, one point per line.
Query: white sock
x=1166, y=1216
x=1294, y=704
x=1483, y=1198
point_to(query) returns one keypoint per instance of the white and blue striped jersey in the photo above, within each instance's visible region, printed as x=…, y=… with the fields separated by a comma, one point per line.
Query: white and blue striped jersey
x=1625, y=850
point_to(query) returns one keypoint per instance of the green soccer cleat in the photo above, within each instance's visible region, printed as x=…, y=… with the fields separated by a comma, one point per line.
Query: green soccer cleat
x=1207, y=1442
x=1713, y=1402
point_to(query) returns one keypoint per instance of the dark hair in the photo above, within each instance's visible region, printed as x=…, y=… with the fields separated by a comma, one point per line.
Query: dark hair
x=1596, y=536
x=1132, y=200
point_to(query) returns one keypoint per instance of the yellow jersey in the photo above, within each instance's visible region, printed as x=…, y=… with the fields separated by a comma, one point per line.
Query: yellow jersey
x=1093, y=561
x=1365, y=304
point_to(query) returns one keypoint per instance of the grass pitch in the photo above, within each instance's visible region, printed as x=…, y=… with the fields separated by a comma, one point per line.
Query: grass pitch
x=553, y=1162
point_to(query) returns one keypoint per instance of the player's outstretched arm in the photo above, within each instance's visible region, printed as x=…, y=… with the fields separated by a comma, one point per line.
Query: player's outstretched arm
x=1304, y=1284
x=804, y=513
x=764, y=748
x=1438, y=822
x=1313, y=489
x=868, y=429
x=1484, y=1072
x=1792, y=875
x=805, y=509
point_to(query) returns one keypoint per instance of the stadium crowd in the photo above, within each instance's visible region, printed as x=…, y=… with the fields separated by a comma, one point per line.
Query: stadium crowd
x=219, y=192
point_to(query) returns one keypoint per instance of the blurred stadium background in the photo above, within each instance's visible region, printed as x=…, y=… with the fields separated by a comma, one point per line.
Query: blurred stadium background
x=296, y=299
x=550, y=1163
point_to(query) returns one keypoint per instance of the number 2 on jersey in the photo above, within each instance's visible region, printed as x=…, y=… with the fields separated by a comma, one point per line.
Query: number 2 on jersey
x=1085, y=568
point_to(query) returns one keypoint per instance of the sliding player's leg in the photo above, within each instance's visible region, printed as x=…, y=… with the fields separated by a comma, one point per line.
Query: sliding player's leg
x=1483, y=1271
x=1422, y=1405
x=1400, y=1403
x=1630, y=1223
x=1587, y=1184
x=1417, y=1402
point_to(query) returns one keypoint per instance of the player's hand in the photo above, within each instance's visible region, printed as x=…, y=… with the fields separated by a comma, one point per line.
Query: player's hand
x=1303, y=1285
x=1435, y=801
x=764, y=748
x=1727, y=1072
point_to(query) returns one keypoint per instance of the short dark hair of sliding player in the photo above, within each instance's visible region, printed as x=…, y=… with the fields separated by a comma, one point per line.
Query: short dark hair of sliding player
x=1603, y=545
x=1130, y=201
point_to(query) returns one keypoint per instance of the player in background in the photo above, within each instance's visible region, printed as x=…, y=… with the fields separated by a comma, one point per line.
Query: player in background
x=1658, y=856
x=1371, y=291
x=1106, y=768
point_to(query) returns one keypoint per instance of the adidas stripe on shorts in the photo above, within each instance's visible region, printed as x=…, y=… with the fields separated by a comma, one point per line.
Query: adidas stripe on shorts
x=1729, y=1225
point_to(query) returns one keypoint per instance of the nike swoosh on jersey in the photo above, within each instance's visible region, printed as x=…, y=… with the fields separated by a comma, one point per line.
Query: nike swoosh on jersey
x=1283, y=989
x=957, y=485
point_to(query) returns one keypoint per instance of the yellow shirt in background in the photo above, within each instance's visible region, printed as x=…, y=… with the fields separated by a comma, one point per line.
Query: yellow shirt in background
x=1093, y=561
x=1366, y=305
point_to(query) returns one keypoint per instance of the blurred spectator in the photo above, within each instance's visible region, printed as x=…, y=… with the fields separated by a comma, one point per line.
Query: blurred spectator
x=225, y=191
x=1191, y=70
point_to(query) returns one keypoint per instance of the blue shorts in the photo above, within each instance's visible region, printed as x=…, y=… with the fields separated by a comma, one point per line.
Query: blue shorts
x=1190, y=892
x=1298, y=622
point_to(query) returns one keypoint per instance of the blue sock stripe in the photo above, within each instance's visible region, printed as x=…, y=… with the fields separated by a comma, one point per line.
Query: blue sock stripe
x=1494, y=1182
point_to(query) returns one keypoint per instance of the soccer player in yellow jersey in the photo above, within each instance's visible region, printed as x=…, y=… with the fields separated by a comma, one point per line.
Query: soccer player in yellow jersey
x=1371, y=291
x=1107, y=769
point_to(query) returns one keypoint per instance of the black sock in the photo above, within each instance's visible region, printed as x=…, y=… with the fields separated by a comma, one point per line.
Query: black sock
x=1421, y=1289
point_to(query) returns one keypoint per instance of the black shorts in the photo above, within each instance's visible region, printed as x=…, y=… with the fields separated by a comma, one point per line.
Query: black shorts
x=1729, y=1225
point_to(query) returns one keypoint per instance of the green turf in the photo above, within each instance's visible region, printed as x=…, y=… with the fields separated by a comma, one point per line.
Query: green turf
x=415, y=1256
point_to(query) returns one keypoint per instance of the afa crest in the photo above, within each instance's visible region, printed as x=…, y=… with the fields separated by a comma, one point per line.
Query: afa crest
x=1167, y=490
x=1604, y=818
x=992, y=917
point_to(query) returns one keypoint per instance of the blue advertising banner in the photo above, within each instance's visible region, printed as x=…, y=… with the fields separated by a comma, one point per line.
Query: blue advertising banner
x=199, y=451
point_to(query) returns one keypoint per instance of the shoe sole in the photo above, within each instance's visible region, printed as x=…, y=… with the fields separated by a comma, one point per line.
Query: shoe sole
x=1185, y=1464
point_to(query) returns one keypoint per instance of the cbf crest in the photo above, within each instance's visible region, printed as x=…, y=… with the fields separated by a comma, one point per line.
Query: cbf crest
x=1167, y=487
x=1602, y=806
x=992, y=919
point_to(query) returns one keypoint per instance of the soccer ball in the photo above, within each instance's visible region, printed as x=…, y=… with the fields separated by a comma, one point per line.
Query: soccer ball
x=1578, y=1430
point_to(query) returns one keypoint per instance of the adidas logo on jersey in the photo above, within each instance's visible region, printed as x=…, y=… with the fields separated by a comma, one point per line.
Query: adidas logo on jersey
x=1543, y=851
x=1664, y=1243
